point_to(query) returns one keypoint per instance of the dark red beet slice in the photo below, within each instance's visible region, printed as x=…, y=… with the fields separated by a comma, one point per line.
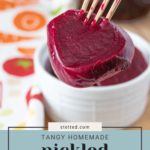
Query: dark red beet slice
x=137, y=67
x=82, y=56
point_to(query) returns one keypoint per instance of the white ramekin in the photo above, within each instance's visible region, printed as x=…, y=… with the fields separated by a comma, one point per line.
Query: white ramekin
x=118, y=105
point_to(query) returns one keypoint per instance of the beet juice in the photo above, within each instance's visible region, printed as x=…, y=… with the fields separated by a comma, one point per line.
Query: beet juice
x=137, y=67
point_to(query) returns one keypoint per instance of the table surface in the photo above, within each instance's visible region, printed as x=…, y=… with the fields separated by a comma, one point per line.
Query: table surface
x=142, y=27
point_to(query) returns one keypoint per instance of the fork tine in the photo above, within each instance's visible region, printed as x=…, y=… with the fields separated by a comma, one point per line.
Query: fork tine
x=101, y=9
x=92, y=8
x=113, y=9
x=85, y=5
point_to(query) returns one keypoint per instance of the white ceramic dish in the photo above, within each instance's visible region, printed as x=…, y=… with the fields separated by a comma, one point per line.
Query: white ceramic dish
x=118, y=105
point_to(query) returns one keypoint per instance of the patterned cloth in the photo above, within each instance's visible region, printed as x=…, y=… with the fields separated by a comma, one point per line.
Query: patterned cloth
x=22, y=32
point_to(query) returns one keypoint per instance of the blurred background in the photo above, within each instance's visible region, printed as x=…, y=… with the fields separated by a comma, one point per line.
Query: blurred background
x=23, y=31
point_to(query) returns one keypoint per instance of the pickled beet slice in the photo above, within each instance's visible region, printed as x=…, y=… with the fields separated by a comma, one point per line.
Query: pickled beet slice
x=82, y=55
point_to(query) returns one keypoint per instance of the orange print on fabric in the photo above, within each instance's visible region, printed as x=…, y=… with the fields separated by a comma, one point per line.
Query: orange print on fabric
x=26, y=51
x=11, y=38
x=5, y=4
x=29, y=21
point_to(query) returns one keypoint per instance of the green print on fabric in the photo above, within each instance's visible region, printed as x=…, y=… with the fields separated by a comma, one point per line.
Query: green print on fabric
x=56, y=11
x=6, y=112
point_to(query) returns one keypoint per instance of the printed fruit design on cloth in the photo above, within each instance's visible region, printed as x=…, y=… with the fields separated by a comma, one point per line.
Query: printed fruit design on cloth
x=26, y=51
x=11, y=38
x=29, y=21
x=7, y=4
x=20, y=67
x=29, y=96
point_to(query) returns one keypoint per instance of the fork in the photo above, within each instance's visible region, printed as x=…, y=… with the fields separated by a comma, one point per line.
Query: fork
x=101, y=10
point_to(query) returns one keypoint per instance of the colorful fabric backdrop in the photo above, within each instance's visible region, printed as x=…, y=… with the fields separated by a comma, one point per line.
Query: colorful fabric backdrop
x=22, y=32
